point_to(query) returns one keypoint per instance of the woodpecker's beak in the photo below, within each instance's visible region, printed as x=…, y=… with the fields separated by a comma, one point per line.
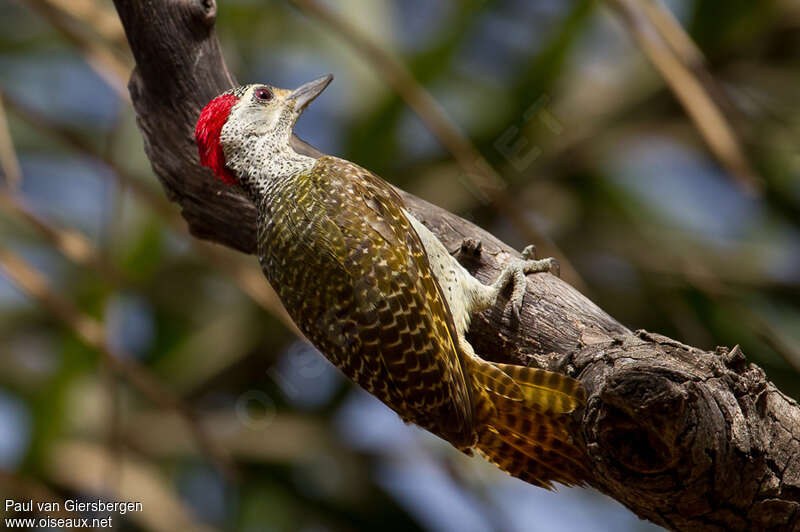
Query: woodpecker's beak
x=304, y=94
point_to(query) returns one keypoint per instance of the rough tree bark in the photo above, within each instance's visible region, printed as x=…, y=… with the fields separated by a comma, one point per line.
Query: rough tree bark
x=687, y=438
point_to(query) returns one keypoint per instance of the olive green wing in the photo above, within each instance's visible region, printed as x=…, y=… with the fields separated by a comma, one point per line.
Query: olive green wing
x=396, y=311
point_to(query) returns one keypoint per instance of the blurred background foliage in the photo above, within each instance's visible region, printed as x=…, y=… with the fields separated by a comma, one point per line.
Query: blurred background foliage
x=667, y=227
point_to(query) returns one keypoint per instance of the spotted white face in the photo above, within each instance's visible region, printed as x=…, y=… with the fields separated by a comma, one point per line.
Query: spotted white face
x=260, y=111
x=249, y=120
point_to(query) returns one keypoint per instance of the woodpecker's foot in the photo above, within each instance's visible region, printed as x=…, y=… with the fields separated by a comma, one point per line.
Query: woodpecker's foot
x=529, y=253
x=548, y=264
x=515, y=272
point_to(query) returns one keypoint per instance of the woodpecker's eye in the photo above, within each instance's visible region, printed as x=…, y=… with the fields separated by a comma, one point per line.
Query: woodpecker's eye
x=263, y=94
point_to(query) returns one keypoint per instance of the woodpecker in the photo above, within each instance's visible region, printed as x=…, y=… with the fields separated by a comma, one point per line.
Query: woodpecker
x=381, y=297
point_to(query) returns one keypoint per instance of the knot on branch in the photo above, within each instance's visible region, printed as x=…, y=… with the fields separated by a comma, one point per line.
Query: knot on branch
x=646, y=399
x=204, y=11
x=640, y=418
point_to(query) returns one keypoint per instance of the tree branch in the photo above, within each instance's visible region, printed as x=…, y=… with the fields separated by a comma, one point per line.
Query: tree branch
x=689, y=439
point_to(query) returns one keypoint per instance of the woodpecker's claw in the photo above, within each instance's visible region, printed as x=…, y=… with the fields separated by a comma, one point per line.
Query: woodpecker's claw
x=515, y=273
x=516, y=310
x=555, y=267
x=549, y=265
x=532, y=265
x=518, y=290
x=529, y=253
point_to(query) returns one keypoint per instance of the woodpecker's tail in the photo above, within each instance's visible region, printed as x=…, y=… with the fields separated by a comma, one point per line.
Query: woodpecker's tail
x=522, y=423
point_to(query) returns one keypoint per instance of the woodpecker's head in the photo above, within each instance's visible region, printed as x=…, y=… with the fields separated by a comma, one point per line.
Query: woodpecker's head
x=250, y=119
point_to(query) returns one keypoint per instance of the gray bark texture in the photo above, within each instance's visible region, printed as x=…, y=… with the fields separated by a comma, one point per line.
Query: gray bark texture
x=686, y=438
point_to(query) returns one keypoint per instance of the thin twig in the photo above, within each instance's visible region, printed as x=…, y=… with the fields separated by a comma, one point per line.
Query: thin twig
x=71, y=243
x=92, y=332
x=687, y=52
x=113, y=70
x=74, y=466
x=478, y=170
x=95, y=15
x=79, y=143
x=9, y=163
x=672, y=32
x=250, y=280
x=688, y=89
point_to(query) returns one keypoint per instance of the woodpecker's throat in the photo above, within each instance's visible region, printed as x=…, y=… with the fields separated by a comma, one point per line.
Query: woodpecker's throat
x=257, y=160
x=256, y=154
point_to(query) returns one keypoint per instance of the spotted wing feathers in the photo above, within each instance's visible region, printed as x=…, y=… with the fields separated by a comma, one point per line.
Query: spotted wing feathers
x=370, y=301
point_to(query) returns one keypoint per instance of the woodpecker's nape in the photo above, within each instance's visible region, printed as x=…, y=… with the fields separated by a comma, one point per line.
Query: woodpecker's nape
x=206, y=134
x=381, y=297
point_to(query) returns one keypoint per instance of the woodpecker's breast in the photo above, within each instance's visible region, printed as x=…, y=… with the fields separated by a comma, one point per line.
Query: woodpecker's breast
x=351, y=271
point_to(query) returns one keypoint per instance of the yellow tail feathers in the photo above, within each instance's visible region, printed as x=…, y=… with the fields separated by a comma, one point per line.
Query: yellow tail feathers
x=552, y=391
x=490, y=377
x=528, y=461
x=523, y=426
